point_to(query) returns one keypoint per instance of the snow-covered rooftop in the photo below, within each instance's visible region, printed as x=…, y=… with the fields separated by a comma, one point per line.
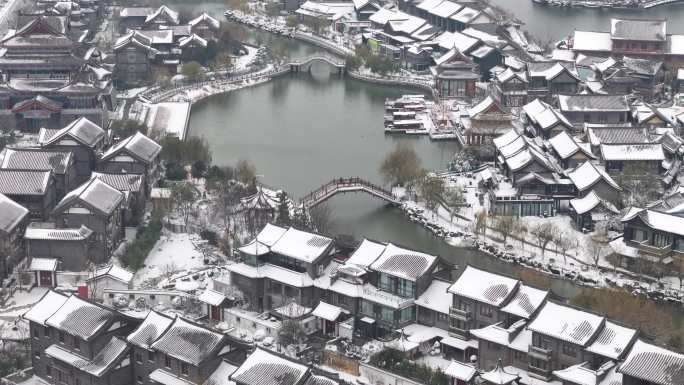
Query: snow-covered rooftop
x=212, y=297
x=566, y=146
x=506, y=138
x=45, y=307
x=43, y=264
x=602, y=103
x=403, y=263
x=612, y=341
x=96, y=194
x=265, y=368
x=618, y=152
x=11, y=214
x=656, y=220
x=327, y=311
x=525, y=302
x=498, y=334
x=566, y=323
x=105, y=359
x=154, y=325
x=544, y=115
x=592, y=41
x=301, y=245
x=456, y=41
x=654, y=364
x=500, y=376
x=137, y=145
x=436, y=297
x=79, y=317
x=188, y=342
x=460, y=371
x=586, y=175
x=367, y=252
x=35, y=233
x=484, y=286
x=113, y=271
x=582, y=374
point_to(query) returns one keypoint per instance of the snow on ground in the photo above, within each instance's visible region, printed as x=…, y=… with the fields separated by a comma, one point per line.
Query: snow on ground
x=578, y=258
x=173, y=252
x=21, y=301
x=242, y=62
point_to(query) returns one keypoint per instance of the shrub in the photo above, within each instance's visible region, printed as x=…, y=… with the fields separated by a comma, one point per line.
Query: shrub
x=145, y=239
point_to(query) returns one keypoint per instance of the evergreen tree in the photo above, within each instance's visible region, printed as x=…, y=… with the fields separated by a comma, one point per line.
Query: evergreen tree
x=283, y=218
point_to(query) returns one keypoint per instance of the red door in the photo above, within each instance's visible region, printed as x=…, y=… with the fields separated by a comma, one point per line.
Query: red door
x=45, y=278
x=215, y=313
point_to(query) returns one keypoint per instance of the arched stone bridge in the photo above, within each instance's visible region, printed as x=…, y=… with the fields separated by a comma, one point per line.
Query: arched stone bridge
x=304, y=65
x=344, y=185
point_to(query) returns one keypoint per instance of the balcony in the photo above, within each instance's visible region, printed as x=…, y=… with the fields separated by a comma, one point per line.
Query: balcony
x=650, y=249
x=462, y=315
x=539, y=373
x=539, y=353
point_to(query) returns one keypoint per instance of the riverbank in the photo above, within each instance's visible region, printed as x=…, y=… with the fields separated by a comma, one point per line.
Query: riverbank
x=632, y=5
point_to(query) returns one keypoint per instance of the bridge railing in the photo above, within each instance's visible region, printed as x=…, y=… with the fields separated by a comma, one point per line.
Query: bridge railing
x=339, y=183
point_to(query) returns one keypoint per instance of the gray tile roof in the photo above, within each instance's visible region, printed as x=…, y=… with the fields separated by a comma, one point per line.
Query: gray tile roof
x=616, y=135
x=137, y=145
x=95, y=194
x=105, y=359
x=35, y=159
x=37, y=233
x=188, y=342
x=15, y=182
x=593, y=103
x=11, y=214
x=154, y=325
x=265, y=368
x=82, y=130
x=81, y=318
x=121, y=182
x=646, y=30
x=654, y=364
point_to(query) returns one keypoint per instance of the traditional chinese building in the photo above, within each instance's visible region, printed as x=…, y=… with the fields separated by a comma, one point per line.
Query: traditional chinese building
x=49, y=80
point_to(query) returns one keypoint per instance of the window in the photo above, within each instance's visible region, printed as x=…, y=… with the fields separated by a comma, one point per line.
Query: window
x=138, y=358
x=36, y=333
x=442, y=317
x=387, y=314
x=486, y=310
x=61, y=337
x=405, y=288
x=48, y=332
x=570, y=350
x=152, y=296
x=60, y=376
x=77, y=343
x=150, y=356
x=48, y=370
x=111, y=295
x=385, y=282
x=36, y=354
x=167, y=362
x=184, y=369
x=407, y=314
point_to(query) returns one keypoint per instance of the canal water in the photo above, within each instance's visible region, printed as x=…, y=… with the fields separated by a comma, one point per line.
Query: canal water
x=555, y=23
x=303, y=130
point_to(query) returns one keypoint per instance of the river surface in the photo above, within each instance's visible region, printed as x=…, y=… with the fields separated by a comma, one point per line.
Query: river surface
x=303, y=130
x=554, y=23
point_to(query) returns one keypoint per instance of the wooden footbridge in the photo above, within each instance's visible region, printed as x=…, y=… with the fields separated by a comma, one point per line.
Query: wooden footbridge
x=345, y=185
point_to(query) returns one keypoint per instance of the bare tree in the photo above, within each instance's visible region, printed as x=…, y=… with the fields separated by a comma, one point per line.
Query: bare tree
x=322, y=218
x=504, y=225
x=480, y=225
x=454, y=200
x=401, y=166
x=431, y=189
x=564, y=241
x=543, y=234
x=183, y=196
x=521, y=231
